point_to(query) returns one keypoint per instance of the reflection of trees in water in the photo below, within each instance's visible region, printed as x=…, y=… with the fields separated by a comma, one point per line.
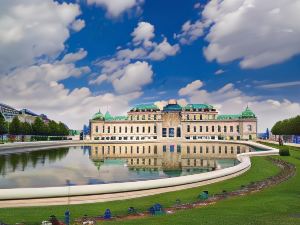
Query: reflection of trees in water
x=12, y=162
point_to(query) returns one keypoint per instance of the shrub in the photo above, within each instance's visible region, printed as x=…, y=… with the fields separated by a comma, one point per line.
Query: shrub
x=284, y=152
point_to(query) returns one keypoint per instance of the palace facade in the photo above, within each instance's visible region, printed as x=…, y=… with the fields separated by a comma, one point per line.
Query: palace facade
x=146, y=122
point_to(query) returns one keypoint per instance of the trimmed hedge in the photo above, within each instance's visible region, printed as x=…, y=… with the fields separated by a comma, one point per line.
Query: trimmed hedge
x=284, y=152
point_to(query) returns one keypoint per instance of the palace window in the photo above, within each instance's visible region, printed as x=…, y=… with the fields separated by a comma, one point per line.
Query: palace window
x=201, y=149
x=149, y=117
x=188, y=149
x=206, y=128
x=108, y=129
x=219, y=128
x=201, y=117
x=213, y=129
x=171, y=132
x=194, y=117
x=178, y=148
x=164, y=132
x=143, y=117
x=154, y=117
x=238, y=128
x=178, y=134
x=137, y=149
x=155, y=149
x=131, y=129
x=149, y=129
x=195, y=150
x=207, y=150
x=154, y=129
x=114, y=129
x=225, y=129
x=231, y=128
x=164, y=148
x=188, y=117
x=120, y=129
x=249, y=127
x=200, y=128
x=195, y=129
x=138, y=117
x=143, y=129
x=96, y=129
x=125, y=129
x=188, y=128
x=137, y=129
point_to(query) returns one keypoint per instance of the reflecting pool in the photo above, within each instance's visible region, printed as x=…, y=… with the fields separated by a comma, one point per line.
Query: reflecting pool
x=109, y=163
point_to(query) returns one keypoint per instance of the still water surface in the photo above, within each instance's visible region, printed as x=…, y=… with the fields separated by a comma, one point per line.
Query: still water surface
x=109, y=163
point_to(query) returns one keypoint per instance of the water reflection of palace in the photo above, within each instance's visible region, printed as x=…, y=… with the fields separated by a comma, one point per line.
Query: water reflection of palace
x=160, y=155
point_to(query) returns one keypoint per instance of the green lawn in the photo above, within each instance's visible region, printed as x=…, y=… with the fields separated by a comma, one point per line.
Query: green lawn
x=277, y=205
x=261, y=169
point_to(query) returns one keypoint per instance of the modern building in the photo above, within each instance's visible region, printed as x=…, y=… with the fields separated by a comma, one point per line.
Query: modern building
x=8, y=112
x=25, y=115
x=147, y=122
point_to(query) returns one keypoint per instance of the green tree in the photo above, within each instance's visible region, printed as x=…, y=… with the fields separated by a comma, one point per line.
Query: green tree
x=62, y=129
x=38, y=126
x=15, y=126
x=53, y=128
x=276, y=128
x=3, y=126
x=26, y=128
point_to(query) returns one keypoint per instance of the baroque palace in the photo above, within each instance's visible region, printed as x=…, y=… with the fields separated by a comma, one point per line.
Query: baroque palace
x=147, y=122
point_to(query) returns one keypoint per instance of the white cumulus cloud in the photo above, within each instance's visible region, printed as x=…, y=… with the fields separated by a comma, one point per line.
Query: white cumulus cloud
x=230, y=100
x=33, y=29
x=257, y=33
x=116, y=7
x=139, y=72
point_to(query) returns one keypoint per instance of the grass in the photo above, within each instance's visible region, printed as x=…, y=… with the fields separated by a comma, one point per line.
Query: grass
x=261, y=169
x=278, y=205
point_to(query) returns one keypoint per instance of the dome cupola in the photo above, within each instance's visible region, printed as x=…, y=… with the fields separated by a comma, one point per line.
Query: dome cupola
x=98, y=116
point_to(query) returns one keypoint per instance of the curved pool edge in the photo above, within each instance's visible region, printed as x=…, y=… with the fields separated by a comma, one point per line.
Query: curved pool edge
x=101, y=189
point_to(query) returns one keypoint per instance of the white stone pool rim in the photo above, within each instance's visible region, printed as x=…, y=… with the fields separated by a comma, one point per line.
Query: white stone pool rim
x=131, y=187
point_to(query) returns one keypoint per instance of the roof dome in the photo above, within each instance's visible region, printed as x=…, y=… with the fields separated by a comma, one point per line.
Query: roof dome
x=247, y=113
x=108, y=116
x=98, y=116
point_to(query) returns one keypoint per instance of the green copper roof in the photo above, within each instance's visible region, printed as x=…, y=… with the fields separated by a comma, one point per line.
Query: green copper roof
x=247, y=113
x=121, y=118
x=228, y=117
x=172, y=107
x=145, y=107
x=98, y=116
x=108, y=116
x=198, y=106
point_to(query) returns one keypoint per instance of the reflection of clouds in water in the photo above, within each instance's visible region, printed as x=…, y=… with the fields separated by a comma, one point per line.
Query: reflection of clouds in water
x=75, y=165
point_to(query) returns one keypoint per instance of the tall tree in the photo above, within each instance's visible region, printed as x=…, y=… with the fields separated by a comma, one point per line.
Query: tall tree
x=26, y=128
x=53, y=128
x=3, y=126
x=38, y=126
x=15, y=126
x=63, y=130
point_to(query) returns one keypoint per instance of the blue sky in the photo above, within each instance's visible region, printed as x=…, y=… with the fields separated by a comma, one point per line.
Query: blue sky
x=230, y=54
